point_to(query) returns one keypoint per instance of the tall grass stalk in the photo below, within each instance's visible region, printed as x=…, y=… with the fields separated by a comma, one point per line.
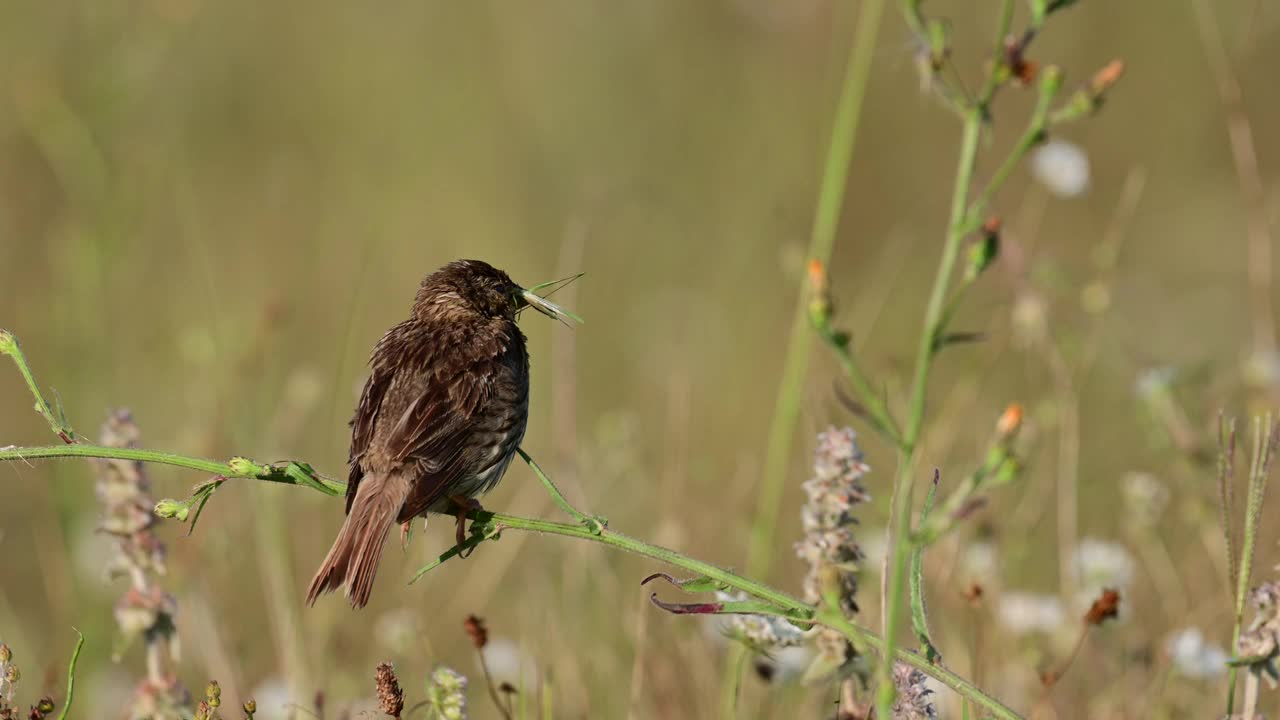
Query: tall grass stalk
x=1266, y=435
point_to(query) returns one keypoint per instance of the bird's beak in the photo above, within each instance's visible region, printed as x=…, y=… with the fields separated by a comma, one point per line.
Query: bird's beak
x=546, y=307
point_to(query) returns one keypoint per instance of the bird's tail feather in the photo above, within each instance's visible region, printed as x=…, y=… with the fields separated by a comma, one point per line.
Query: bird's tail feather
x=353, y=559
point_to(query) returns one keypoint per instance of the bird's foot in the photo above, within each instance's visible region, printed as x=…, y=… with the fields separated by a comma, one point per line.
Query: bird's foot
x=464, y=505
x=406, y=532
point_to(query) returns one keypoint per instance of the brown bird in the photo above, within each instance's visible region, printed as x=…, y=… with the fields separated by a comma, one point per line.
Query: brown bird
x=440, y=417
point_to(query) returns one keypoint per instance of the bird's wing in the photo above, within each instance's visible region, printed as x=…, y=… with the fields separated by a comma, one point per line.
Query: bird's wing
x=366, y=416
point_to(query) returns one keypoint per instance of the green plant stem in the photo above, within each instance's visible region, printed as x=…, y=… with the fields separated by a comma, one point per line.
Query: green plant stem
x=732, y=686
x=1264, y=439
x=9, y=346
x=962, y=686
x=903, y=482
x=595, y=524
x=786, y=605
x=998, y=71
x=876, y=408
x=827, y=217
x=919, y=616
x=1031, y=137
x=214, y=467
x=71, y=677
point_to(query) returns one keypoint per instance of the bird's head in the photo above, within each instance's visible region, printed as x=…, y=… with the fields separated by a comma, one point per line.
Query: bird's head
x=474, y=287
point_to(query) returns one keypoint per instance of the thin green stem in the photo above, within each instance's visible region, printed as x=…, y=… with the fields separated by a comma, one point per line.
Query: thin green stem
x=71, y=677
x=963, y=687
x=1031, y=137
x=593, y=523
x=873, y=402
x=9, y=346
x=919, y=616
x=786, y=605
x=732, y=685
x=827, y=217
x=998, y=73
x=238, y=468
x=1264, y=439
x=903, y=481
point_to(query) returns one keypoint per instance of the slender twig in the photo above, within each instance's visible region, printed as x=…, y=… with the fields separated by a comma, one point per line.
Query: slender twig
x=919, y=616
x=872, y=402
x=1266, y=435
x=732, y=688
x=781, y=604
x=71, y=677
x=594, y=523
x=900, y=547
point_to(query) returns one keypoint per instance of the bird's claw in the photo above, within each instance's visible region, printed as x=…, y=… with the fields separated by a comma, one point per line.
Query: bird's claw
x=406, y=532
x=464, y=505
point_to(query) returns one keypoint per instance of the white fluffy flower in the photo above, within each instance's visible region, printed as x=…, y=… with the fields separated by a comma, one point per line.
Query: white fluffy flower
x=506, y=663
x=1024, y=613
x=980, y=562
x=761, y=631
x=1062, y=167
x=1102, y=564
x=1195, y=658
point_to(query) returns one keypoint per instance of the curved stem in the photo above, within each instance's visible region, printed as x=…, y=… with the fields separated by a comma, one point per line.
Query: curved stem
x=238, y=468
x=787, y=605
x=71, y=677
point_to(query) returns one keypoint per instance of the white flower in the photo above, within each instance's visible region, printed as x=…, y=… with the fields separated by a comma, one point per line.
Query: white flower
x=761, y=631
x=1103, y=564
x=271, y=695
x=1100, y=565
x=1193, y=657
x=506, y=663
x=1062, y=167
x=1025, y=613
x=980, y=562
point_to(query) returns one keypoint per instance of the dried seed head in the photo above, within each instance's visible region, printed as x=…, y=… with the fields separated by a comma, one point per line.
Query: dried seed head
x=390, y=696
x=973, y=593
x=5, y=653
x=477, y=631
x=1106, y=607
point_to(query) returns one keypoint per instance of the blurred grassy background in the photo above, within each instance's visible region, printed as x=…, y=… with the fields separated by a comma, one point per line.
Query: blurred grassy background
x=210, y=211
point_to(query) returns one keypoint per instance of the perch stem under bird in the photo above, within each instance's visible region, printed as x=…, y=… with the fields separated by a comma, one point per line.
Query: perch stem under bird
x=440, y=417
